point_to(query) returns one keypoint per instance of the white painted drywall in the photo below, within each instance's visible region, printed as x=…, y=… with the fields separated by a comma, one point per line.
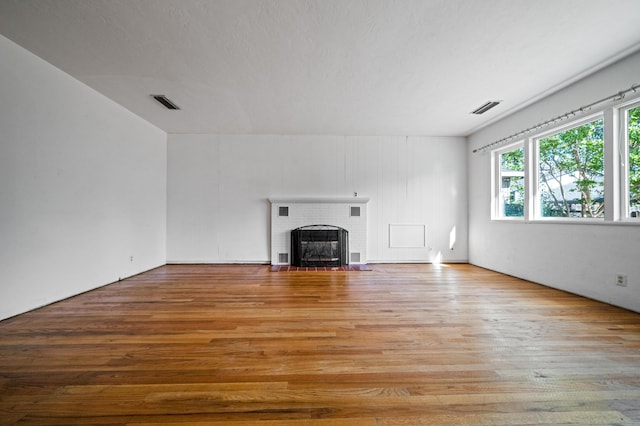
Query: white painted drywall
x=581, y=259
x=218, y=189
x=82, y=186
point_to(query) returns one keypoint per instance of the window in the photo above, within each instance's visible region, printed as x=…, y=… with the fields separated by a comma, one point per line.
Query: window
x=632, y=171
x=571, y=172
x=587, y=170
x=510, y=182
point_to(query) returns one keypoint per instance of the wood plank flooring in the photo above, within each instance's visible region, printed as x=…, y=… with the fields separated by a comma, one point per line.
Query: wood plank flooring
x=399, y=345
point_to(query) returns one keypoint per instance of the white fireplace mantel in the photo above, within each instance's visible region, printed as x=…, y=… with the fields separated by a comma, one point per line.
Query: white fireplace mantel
x=338, y=200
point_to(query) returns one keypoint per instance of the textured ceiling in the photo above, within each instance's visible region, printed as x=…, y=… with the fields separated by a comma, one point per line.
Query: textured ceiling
x=366, y=67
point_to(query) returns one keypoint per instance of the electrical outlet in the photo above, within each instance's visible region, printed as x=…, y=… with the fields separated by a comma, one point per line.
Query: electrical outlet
x=131, y=258
x=621, y=280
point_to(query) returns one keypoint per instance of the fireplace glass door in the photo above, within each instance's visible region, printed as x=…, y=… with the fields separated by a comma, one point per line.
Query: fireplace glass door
x=319, y=245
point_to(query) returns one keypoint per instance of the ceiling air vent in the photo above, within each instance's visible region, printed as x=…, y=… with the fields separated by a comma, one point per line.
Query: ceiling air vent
x=486, y=107
x=165, y=101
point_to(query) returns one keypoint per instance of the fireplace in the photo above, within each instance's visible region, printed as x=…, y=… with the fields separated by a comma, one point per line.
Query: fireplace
x=319, y=245
x=291, y=213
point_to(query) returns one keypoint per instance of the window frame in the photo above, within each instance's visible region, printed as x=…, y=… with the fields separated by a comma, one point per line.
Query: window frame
x=535, y=168
x=497, y=212
x=623, y=146
x=616, y=167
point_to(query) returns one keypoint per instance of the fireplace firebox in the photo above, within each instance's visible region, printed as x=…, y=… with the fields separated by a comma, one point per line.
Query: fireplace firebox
x=319, y=245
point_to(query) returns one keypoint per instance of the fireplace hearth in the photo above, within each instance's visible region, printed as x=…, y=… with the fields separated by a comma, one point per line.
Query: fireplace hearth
x=319, y=245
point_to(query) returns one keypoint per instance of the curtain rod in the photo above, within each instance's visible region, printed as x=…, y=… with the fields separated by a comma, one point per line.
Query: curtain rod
x=615, y=97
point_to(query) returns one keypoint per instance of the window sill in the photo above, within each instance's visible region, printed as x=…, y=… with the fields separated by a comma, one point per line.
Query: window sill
x=602, y=222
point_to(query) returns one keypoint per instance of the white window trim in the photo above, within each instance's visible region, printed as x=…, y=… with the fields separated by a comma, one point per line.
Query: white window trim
x=616, y=171
x=536, y=213
x=623, y=159
x=496, y=181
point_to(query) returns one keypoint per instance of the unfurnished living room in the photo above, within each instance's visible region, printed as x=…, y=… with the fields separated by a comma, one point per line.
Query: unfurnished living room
x=320, y=212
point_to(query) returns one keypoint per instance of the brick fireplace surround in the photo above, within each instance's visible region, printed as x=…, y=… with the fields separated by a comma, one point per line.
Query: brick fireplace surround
x=291, y=213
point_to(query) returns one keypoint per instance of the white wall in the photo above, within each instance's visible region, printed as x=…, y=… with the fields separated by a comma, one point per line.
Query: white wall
x=82, y=186
x=581, y=259
x=218, y=189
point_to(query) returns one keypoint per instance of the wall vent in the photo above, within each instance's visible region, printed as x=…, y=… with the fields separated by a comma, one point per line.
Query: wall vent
x=355, y=211
x=486, y=107
x=355, y=257
x=283, y=257
x=165, y=101
x=283, y=211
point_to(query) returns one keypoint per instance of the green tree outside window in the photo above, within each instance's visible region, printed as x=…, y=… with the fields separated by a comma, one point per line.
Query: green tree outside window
x=512, y=182
x=633, y=132
x=572, y=172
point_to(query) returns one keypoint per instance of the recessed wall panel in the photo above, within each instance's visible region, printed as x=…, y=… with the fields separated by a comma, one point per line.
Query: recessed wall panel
x=407, y=235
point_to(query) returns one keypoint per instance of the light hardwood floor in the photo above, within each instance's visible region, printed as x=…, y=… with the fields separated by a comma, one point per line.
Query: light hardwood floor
x=399, y=345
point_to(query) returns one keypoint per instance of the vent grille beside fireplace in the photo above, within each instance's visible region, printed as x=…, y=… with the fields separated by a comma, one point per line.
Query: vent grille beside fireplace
x=319, y=245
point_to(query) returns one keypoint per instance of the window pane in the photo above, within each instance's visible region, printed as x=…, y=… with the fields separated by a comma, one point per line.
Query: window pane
x=571, y=179
x=511, y=196
x=633, y=133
